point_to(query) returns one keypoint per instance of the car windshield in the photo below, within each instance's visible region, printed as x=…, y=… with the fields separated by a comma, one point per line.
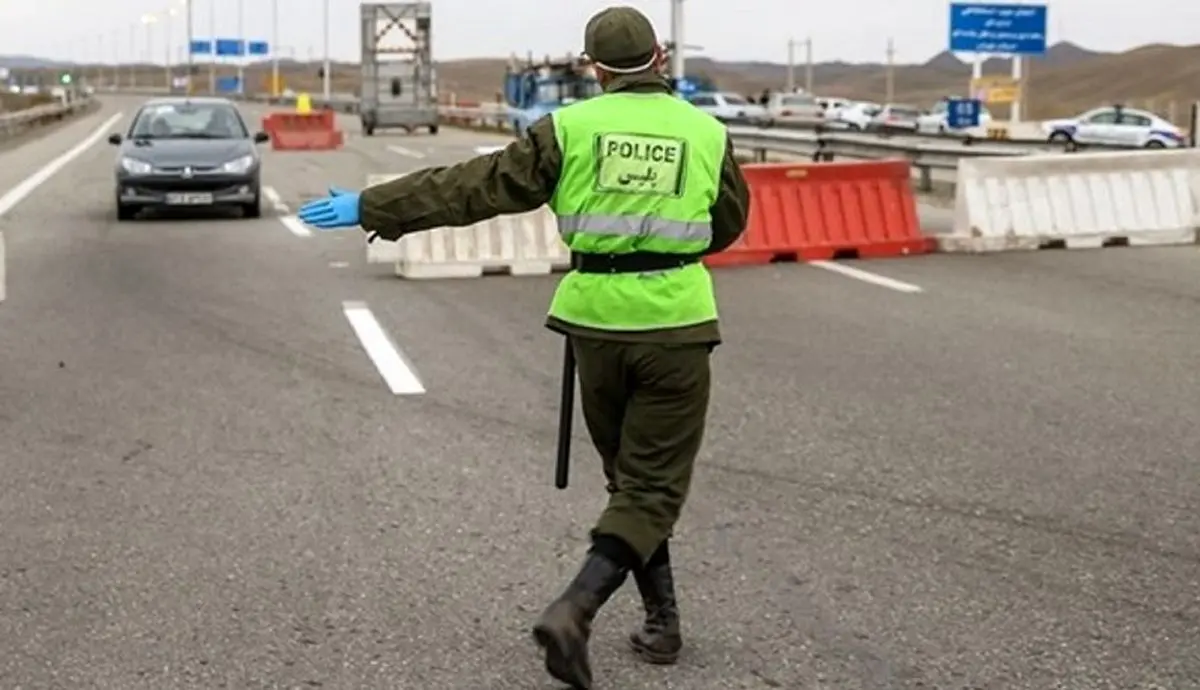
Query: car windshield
x=903, y=111
x=188, y=121
x=730, y=99
x=564, y=89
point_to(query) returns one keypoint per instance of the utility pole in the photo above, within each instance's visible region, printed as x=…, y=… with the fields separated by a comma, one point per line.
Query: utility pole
x=274, y=48
x=187, y=7
x=116, y=71
x=327, y=80
x=808, y=65
x=891, y=71
x=677, y=61
x=169, y=47
x=99, y=60
x=133, y=28
x=241, y=38
x=791, y=71
x=212, y=60
x=149, y=21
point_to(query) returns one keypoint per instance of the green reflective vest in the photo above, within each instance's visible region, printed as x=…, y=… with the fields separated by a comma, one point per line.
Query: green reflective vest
x=639, y=173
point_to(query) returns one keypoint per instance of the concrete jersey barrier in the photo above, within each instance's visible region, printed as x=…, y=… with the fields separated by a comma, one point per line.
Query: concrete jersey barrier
x=1136, y=198
x=14, y=123
x=521, y=244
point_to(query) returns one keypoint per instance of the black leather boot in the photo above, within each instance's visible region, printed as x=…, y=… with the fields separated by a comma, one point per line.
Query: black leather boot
x=565, y=626
x=658, y=641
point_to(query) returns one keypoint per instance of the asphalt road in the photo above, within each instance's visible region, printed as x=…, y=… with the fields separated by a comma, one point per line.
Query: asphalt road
x=204, y=483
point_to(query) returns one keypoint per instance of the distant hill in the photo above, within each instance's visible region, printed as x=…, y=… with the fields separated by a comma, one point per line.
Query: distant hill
x=26, y=62
x=1057, y=55
x=1067, y=80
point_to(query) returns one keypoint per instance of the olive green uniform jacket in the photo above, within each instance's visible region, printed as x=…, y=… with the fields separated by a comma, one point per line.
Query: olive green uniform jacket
x=522, y=177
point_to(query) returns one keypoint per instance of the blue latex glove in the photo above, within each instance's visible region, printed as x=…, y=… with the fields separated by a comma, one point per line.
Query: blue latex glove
x=337, y=211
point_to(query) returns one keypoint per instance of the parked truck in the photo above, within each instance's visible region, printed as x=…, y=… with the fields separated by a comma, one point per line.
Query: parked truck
x=534, y=89
x=399, y=82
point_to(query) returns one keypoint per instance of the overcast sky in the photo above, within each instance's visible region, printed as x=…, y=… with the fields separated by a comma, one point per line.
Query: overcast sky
x=853, y=30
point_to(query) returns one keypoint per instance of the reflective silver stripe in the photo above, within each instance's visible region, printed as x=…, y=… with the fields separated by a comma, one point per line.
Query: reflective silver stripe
x=636, y=226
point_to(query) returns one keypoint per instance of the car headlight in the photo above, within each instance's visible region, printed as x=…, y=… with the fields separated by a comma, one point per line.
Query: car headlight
x=134, y=166
x=238, y=165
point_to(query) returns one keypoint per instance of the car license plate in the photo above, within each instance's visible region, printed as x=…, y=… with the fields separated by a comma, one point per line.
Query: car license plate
x=189, y=199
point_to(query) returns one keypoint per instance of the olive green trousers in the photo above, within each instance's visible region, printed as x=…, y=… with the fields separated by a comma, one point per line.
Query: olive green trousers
x=645, y=405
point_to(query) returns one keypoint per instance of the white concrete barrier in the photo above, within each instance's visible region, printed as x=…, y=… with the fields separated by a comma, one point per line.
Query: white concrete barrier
x=521, y=244
x=1081, y=201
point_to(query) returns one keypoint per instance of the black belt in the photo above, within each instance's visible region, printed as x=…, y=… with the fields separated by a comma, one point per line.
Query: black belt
x=635, y=262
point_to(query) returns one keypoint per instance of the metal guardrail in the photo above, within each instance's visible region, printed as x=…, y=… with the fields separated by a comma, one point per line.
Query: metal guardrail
x=928, y=154
x=20, y=121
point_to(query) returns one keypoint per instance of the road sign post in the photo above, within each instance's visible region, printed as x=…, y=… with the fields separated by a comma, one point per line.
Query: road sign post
x=256, y=49
x=982, y=29
x=206, y=48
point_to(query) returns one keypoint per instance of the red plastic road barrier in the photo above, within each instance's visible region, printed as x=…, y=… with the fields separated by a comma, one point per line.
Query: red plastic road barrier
x=308, y=132
x=822, y=211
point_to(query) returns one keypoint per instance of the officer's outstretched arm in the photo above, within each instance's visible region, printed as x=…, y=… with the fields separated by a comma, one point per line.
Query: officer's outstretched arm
x=732, y=207
x=521, y=177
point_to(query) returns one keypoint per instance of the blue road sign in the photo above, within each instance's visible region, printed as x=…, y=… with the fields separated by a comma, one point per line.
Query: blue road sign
x=202, y=47
x=685, y=87
x=227, y=85
x=258, y=48
x=962, y=113
x=994, y=29
x=230, y=47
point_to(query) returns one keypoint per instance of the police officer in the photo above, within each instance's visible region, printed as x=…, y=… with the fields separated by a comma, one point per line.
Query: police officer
x=643, y=185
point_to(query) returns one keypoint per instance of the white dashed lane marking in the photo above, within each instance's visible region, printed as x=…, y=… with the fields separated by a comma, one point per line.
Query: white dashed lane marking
x=275, y=200
x=867, y=277
x=389, y=360
x=408, y=153
x=294, y=226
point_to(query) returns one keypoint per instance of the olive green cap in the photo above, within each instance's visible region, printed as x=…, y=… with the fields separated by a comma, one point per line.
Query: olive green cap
x=621, y=38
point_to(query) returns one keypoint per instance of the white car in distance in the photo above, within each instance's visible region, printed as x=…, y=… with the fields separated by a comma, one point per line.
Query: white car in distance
x=1116, y=126
x=896, y=117
x=794, y=108
x=858, y=115
x=729, y=107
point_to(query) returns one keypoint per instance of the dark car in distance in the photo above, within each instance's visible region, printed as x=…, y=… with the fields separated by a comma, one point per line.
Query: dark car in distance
x=190, y=153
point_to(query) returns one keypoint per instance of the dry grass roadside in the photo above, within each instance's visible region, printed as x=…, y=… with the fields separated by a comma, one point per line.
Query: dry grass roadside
x=12, y=102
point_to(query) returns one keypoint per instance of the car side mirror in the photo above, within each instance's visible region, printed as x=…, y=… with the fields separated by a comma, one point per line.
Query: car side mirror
x=261, y=138
x=114, y=139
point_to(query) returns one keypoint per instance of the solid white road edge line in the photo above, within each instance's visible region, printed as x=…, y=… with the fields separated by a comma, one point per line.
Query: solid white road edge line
x=401, y=151
x=15, y=195
x=397, y=373
x=24, y=188
x=867, y=277
x=485, y=150
x=295, y=226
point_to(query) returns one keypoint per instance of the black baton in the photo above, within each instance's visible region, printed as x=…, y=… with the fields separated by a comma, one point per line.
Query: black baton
x=566, y=416
x=566, y=407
